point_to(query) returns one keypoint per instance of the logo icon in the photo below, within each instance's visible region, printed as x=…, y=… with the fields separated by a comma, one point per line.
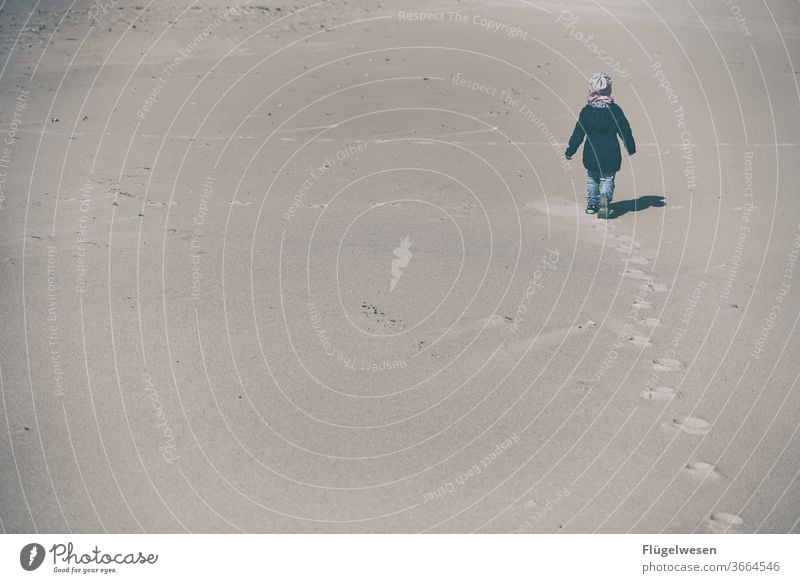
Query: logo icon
x=403, y=255
x=31, y=556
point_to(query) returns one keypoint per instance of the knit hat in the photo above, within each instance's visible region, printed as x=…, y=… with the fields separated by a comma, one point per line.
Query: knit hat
x=600, y=84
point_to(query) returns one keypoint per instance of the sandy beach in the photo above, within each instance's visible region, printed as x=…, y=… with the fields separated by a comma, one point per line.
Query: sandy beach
x=323, y=267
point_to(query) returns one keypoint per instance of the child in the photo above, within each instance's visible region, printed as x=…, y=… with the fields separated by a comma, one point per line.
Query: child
x=600, y=121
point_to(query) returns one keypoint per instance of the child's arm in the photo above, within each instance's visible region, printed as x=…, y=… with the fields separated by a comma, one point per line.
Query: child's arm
x=575, y=140
x=624, y=130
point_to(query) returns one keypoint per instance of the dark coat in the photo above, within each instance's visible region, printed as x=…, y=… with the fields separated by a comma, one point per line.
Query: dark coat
x=601, y=125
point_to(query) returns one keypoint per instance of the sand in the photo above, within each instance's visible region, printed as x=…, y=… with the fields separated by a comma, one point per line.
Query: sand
x=298, y=267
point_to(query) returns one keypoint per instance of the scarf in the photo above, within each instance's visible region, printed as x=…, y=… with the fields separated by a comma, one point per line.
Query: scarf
x=600, y=100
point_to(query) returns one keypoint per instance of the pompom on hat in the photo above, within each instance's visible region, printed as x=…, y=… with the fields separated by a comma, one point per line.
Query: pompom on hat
x=600, y=84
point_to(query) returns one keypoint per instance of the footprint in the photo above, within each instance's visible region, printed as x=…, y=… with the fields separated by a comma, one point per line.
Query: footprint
x=703, y=471
x=628, y=240
x=650, y=322
x=724, y=522
x=642, y=305
x=624, y=249
x=640, y=341
x=658, y=288
x=665, y=364
x=636, y=274
x=688, y=424
x=636, y=260
x=660, y=394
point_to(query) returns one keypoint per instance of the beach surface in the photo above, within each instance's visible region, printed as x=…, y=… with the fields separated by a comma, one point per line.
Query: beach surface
x=322, y=267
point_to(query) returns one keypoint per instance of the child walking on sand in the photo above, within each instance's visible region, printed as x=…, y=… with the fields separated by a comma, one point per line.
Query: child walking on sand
x=600, y=121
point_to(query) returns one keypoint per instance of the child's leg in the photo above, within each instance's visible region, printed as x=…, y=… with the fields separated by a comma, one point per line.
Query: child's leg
x=593, y=187
x=606, y=187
